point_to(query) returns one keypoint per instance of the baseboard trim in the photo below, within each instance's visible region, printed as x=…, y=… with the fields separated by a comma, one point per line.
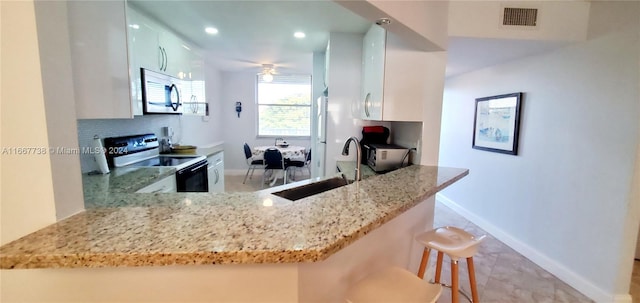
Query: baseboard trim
x=563, y=273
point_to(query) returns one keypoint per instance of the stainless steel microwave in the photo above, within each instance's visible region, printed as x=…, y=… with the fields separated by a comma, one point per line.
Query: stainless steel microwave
x=160, y=93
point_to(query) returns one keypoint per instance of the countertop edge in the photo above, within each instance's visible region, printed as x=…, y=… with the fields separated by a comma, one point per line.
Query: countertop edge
x=123, y=259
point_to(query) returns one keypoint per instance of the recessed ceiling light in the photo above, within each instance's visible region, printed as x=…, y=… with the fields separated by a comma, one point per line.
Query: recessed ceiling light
x=211, y=30
x=299, y=35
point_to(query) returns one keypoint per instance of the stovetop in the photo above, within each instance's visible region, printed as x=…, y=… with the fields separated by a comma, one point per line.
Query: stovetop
x=142, y=151
x=165, y=161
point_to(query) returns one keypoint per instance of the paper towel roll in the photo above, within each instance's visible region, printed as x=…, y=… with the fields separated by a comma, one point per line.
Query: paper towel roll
x=100, y=157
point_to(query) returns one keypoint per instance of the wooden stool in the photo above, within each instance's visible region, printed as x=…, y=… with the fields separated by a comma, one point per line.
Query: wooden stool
x=456, y=243
x=395, y=285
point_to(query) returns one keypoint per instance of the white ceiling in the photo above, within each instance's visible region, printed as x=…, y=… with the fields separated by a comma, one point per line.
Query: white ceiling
x=252, y=33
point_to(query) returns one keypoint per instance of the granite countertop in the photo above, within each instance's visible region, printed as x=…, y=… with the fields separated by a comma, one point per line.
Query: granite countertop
x=209, y=151
x=122, y=180
x=122, y=228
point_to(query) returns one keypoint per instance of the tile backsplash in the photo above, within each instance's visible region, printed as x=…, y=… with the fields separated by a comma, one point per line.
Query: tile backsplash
x=87, y=129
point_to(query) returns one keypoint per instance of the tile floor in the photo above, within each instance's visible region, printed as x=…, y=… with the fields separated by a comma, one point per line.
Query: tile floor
x=502, y=274
x=233, y=183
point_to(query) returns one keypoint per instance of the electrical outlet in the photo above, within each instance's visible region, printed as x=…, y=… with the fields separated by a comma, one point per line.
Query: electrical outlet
x=167, y=131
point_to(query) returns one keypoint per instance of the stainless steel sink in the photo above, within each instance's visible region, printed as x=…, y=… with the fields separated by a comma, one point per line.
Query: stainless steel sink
x=311, y=189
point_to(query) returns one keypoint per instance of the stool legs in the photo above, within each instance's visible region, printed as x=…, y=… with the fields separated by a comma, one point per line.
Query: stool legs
x=424, y=262
x=454, y=274
x=439, y=266
x=454, y=281
x=472, y=280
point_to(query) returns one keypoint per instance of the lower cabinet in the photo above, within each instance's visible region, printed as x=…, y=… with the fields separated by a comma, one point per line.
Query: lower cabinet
x=216, y=173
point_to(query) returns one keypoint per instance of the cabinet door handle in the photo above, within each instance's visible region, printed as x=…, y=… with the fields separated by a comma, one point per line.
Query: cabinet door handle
x=367, y=102
x=160, y=57
x=171, y=90
x=215, y=170
x=194, y=104
x=166, y=59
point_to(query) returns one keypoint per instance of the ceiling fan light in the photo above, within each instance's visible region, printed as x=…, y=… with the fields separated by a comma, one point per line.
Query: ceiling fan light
x=267, y=77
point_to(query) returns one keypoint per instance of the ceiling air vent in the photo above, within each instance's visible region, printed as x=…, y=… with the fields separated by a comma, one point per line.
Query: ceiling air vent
x=514, y=16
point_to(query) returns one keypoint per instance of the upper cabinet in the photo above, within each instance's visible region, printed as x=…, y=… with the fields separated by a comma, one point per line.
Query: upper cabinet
x=152, y=46
x=393, y=75
x=177, y=54
x=373, y=50
x=194, y=89
x=98, y=43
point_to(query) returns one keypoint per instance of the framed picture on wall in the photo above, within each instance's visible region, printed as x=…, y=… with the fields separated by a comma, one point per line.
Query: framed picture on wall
x=497, y=123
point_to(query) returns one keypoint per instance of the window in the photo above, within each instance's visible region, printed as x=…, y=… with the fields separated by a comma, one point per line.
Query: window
x=284, y=106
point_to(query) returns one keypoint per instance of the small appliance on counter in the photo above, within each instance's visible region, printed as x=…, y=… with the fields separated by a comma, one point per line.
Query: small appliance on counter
x=372, y=135
x=143, y=151
x=386, y=157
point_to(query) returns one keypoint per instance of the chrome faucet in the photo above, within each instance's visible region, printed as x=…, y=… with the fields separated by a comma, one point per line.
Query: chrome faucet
x=345, y=152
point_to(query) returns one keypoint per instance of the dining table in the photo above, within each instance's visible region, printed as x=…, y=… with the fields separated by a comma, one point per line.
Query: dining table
x=291, y=152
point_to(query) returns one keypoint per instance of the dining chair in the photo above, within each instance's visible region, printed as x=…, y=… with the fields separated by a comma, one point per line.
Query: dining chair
x=251, y=162
x=300, y=164
x=273, y=161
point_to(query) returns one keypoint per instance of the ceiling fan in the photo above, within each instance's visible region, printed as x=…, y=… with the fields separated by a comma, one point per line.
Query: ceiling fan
x=268, y=70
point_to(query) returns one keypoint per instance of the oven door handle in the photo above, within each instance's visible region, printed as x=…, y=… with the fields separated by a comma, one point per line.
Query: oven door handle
x=199, y=167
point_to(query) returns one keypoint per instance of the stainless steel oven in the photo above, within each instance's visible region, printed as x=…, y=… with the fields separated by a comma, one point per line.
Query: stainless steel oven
x=193, y=178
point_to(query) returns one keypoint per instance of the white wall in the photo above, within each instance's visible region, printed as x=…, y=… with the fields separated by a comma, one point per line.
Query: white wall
x=427, y=18
x=422, y=24
x=241, y=86
x=409, y=135
x=26, y=191
x=429, y=147
x=557, y=20
x=563, y=200
x=60, y=108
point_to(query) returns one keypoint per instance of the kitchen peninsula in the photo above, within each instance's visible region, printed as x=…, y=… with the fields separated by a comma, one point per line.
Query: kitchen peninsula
x=265, y=248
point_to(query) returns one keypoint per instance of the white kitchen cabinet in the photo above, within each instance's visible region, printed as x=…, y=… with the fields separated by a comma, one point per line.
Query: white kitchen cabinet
x=216, y=173
x=195, y=102
x=393, y=76
x=98, y=41
x=143, y=52
x=153, y=46
x=177, y=55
